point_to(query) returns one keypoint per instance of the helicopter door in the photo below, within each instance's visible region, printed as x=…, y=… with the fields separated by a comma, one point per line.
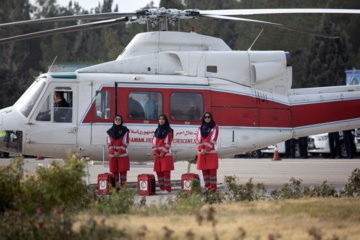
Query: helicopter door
x=100, y=117
x=54, y=120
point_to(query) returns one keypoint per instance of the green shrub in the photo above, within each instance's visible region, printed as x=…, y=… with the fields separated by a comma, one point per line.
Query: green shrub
x=323, y=190
x=194, y=199
x=210, y=197
x=185, y=201
x=352, y=188
x=248, y=192
x=118, y=202
x=16, y=225
x=54, y=225
x=294, y=190
x=195, y=186
x=10, y=181
x=58, y=186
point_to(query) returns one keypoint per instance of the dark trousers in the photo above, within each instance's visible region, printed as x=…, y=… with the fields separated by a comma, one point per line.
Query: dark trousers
x=303, y=147
x=349, y=143
x=290, y=148
x=334, y=144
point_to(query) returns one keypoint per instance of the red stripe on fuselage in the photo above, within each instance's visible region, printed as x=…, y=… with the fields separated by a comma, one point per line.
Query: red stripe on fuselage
x=318, y=113
x=230, y=109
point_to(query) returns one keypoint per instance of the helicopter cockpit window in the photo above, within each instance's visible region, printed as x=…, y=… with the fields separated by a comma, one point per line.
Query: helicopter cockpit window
x=102, y=105
x=27, y=101
x=44, y=114
x=62, y=110
x=186, y=106
x=144, y=105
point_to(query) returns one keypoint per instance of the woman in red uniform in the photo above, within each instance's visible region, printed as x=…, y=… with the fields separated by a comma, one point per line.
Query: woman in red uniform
x=163, y=160
x=207, y=158
x=118, y=142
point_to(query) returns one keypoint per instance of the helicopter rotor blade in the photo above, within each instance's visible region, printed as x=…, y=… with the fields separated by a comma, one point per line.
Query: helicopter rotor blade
x=154, y=15
x=234, y=12
x=241, y=19
x=71, y=18
x=271, y=24
x=80, y=27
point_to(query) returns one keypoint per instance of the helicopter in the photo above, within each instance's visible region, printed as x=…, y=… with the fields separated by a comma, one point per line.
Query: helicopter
x=181, y=74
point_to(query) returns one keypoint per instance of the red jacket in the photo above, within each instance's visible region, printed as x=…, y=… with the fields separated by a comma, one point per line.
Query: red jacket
x=210, y=159
x=163, y=146
x=120, y=145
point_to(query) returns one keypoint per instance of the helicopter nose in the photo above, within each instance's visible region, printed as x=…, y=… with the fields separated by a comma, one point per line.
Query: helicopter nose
x=2, y=133
x=10, y=133
x=1, y=120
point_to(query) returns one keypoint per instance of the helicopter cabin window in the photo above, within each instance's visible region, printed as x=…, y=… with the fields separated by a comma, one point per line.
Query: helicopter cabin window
x=61, y=99
x=186, y=106
x=144, y=105
x=102, y=105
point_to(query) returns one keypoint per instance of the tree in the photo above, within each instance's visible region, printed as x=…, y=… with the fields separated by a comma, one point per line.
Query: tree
x=15, y=57
x=329, y=58
x=112, y=43
x=350, y=24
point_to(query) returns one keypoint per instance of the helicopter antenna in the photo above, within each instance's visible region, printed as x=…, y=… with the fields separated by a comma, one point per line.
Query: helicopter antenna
x=52, y=64
x=255, y=39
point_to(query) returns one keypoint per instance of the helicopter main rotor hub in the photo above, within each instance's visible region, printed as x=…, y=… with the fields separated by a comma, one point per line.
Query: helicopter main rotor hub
x=159, y=15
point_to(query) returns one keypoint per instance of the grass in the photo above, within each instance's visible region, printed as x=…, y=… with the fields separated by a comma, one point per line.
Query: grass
x=55, y=203
x=315, y=218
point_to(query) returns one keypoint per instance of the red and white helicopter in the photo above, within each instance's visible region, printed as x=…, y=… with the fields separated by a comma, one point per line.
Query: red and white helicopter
x=181, y=74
